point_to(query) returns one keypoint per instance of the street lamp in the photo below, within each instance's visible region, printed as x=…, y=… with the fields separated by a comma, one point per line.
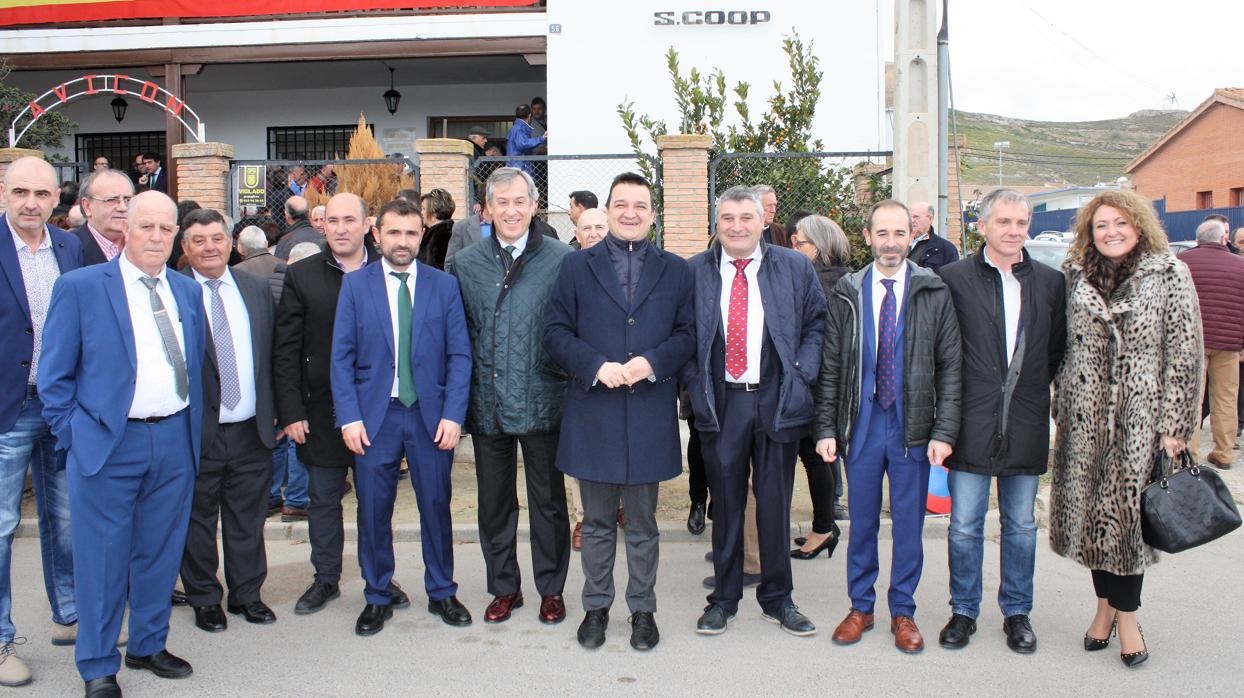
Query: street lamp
x=999, y=145
x=391, y=96
x=119, y=105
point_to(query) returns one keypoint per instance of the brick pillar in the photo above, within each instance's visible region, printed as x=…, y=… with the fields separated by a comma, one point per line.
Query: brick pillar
x=444, y=164
x=8, y=155
x=203, y=173
x=684, y=177
x=954, y=215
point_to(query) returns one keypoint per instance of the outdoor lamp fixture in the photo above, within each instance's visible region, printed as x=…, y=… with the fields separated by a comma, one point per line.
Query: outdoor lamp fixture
x=119, y=105
x=391, y=96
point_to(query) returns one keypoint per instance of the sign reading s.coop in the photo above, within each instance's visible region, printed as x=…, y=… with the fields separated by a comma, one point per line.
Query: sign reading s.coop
x=672, y=18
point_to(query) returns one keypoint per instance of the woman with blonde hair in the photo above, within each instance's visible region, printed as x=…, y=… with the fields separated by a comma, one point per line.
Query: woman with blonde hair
x=1129, y=388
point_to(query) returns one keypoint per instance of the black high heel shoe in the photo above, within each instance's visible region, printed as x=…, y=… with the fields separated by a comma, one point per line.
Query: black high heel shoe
x=828, y=544
x=1092, y=644
x=1134, y=659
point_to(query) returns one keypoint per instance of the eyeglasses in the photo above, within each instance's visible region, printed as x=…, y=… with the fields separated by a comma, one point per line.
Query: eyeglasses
x=114, y=200
x=801, y=243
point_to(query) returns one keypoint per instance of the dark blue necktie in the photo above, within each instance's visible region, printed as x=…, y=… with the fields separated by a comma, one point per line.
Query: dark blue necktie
x=886, y=334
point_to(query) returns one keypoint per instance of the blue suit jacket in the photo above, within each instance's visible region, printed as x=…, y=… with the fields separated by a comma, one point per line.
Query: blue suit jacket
x=364, y=356
x=17, y=335
x=89, y=365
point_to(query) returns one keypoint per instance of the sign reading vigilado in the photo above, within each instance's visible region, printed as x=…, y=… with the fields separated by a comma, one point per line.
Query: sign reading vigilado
x=252, y=186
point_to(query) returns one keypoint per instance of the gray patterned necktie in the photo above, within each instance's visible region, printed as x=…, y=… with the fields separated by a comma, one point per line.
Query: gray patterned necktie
x=226, y=361
x=172, y=350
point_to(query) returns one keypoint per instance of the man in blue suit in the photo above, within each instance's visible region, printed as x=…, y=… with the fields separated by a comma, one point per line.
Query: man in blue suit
x=401, y=373
x=32, y=255
x=887, y=400
x=130, y=415
x=621, y=323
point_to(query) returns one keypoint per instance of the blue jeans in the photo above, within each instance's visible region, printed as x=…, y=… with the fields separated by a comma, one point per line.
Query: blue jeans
x=285, y=464
x=30, y=444
x=969, y=494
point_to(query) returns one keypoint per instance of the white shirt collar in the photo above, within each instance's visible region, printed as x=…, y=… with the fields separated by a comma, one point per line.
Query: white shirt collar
x=388, y=269
x=900, y=279
x=225, y=278
x=130, y=273
x=985, y=253
x=757, y=254
x=520, y=245
x=19, y=243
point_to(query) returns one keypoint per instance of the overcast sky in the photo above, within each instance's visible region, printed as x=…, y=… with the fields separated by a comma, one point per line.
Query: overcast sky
x=1080, y=60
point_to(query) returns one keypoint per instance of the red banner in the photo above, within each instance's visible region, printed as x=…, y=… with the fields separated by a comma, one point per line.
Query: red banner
x=14, y=12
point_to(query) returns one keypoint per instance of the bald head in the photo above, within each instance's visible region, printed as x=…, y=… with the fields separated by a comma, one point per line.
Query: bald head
x=152, y=224
x=345, y=224
x=591, y=227
x=30, y=193
x=295, y=209
x=921, y=218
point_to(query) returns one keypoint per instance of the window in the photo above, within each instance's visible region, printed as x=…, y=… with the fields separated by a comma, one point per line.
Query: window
x=459, y=126
x=310, y=142
x=1205, y=199
x=119, y=148
x=1237, y=197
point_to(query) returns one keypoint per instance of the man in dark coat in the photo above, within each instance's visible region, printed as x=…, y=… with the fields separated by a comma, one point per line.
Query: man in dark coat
x=105, y=197
x=300, y=228
x=301, y=361
x=1013, y=319
x=620, y=322
x=928, y=250
x=774, y=233
x=239, y=417
x=516, y=396
x=888, y=400
x=760, y=320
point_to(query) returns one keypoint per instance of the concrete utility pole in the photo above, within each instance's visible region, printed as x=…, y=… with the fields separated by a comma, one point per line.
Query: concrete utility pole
x=915, y=101
x=943, y=128
x=999, y=145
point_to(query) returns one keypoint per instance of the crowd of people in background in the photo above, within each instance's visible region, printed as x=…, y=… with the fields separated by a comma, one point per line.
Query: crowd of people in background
x=178, y=369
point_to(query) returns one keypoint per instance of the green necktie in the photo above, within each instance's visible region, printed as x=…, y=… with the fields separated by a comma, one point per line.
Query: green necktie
x=508, y=257
x=405, y=379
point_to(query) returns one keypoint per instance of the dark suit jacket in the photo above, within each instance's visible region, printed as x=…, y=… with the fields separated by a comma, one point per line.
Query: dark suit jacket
x=91, y=254
x=267, y=267
x=17, y=336
x=364, y=355
x=262, y=313
x=158, y=181
x=778, y=235
x=86, y=376
x=624, y=435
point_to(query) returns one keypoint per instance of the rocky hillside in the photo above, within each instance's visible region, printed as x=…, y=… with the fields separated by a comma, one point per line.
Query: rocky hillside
x=1076, y=152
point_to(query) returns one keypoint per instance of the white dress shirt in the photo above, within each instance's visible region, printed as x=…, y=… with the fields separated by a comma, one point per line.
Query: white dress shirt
x=520, y=246
x=155, y=383
x=243, y=351
x=393, y=285
x=755, y=313
x=900, y=287
x=1011, y=300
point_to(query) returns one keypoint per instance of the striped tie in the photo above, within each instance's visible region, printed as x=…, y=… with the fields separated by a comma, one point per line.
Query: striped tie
x=172, y=350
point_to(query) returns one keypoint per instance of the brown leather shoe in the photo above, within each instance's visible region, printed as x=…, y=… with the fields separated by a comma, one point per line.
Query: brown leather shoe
x=576, y=538
x=621, y=517
x=852, y=628
x=552, y=609
x=907, y=637
x=502, y=606
x=290, y=514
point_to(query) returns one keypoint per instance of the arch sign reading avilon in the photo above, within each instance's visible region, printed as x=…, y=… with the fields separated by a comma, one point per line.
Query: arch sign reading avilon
x=121, y=85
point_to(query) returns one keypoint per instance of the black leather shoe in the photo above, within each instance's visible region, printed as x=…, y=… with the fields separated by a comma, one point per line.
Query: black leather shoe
x=256, y=612
x=210, y=618
x=713, y=621
x=179, y=598
x=103, y=687
x=957, y=632
x=695, y=520
x=592, y=630
x=644, y=635
x=371, y=620
x=163, y=664
x=398, y=598
x=1019, y=635
x=451, y=611
x=792, y=621
x=315, y=597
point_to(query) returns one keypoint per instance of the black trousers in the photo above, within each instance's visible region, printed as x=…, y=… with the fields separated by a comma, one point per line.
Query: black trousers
x=821, y=484
x=235, y=473
x=496, y=472
x=325, y=488
x=1121, y=590
x=697, y=481
x=743, y=447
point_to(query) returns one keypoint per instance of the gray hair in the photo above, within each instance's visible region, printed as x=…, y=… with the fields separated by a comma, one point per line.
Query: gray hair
x=302, y=250
x=998, y=196
x=84, y=191
x=1210, y=231
x=502, y=176
x=762, y=189
x=319, y=209
x=830, y=242
x=253, y=240
x=741, y=194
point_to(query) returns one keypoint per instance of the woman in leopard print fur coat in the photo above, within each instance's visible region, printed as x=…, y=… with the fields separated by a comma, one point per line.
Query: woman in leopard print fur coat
x=1130, y=386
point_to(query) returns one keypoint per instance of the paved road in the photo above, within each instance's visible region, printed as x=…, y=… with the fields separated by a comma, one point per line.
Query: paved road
x=1193, y=605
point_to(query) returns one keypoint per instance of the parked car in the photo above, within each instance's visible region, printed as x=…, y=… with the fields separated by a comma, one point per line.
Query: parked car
x=1055, y=236
x=1178, y=246
x=1049, y=252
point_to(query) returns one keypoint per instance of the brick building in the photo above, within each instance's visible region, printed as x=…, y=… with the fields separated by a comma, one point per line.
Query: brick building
x=1198, y=164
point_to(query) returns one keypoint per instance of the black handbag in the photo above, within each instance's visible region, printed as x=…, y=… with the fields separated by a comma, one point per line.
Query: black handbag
x=1185, y=508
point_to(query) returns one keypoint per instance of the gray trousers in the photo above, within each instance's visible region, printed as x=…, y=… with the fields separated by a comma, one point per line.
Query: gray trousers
x=600, y=544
